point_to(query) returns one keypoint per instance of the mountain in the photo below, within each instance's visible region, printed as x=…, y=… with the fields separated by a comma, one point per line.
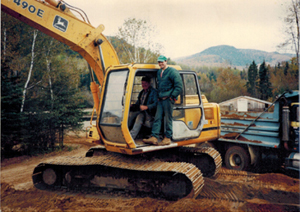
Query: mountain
x=223, y=56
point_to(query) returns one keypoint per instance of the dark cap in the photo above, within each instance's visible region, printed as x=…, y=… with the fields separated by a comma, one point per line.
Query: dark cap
x=146, y=79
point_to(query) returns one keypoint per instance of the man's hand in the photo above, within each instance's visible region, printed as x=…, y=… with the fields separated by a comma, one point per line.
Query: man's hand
x=143, y=107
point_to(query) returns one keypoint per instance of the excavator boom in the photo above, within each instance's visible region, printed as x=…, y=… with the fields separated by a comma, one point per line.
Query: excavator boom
x=60, y=23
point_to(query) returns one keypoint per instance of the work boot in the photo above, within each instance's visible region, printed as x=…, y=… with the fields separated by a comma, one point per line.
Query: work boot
x=151, y=140
x=164, y=142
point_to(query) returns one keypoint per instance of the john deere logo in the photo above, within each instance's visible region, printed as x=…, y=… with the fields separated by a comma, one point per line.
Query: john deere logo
x=60, y=23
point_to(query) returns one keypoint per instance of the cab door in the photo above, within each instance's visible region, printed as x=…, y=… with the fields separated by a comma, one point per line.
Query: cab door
x=188, y=114
x=112, y=107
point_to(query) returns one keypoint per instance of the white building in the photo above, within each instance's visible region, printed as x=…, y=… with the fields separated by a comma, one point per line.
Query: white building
x=244, y=104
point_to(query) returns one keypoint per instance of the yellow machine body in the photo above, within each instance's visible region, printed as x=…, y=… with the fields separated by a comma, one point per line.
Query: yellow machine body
x=178, y=172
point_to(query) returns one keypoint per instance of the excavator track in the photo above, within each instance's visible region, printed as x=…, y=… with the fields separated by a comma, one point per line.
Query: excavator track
x=121, y=172
x=207, y=159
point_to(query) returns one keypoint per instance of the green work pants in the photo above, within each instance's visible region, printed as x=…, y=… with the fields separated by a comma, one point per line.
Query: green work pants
x=164, y=110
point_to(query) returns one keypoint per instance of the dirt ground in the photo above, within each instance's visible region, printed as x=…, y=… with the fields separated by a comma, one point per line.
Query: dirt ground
x=228, y=191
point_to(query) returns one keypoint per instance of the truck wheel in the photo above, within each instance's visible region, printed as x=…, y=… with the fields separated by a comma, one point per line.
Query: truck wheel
x=237, y=158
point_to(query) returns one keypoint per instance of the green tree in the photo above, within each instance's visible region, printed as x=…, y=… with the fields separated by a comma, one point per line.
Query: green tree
x=252, y=79
x=243, y=74
x=54, y=99
x=286, y=68
x=212, y=76
x=265, y=89
x=284, y=78
x=12, y=121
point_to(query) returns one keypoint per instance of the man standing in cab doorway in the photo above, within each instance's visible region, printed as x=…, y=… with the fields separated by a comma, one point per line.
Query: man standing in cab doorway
x=169, y=87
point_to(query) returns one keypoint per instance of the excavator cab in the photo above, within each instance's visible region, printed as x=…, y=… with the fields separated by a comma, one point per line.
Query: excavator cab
x=121, y=88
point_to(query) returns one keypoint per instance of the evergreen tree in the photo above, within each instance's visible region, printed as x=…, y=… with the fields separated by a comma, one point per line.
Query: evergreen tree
x=252, y=78
x=212, y=76
x=11, y=119
x=286, y=68
x=243, y=74
x=53, y=101
x=12, y=132
x=264, y=82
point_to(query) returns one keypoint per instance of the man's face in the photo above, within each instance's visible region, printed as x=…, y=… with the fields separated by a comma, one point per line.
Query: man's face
x=162, y=65
x=145, y=85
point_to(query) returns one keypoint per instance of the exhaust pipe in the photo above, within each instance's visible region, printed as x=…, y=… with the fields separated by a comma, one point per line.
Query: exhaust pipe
x=285, y=123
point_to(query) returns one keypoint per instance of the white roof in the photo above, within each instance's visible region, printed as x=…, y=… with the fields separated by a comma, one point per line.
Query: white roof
x=246, y=97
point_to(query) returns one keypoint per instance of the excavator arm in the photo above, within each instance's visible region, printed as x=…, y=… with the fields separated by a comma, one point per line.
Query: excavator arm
x=57, y=20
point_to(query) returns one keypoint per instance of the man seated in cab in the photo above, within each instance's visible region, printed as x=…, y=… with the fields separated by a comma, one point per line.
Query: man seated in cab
x=144, y=109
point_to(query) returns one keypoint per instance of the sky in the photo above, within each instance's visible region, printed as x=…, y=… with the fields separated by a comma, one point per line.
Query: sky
x=187, y=27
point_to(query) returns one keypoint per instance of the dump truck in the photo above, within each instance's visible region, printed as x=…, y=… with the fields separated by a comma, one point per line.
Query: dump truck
x=249, y=138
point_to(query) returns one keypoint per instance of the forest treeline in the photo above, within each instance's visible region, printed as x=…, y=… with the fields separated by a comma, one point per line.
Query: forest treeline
x=45, y=85
x=41, y=93
x=260, y=81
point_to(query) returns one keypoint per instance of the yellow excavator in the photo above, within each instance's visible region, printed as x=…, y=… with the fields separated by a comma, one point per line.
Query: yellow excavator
x=119, y=161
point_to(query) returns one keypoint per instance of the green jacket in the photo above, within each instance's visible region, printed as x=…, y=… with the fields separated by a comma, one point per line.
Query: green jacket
x=150, y=101
x=170, y=84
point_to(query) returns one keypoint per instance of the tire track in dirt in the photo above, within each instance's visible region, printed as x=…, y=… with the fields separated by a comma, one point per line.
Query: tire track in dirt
x=18, y=171
x=249, y=188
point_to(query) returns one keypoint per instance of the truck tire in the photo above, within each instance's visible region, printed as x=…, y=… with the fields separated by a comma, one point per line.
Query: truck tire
x=237, y=158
